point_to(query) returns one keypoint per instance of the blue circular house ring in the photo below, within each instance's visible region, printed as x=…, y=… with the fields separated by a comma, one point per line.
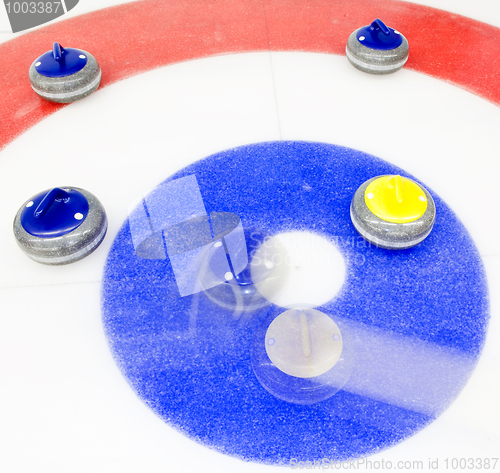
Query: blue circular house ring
x=413, y=316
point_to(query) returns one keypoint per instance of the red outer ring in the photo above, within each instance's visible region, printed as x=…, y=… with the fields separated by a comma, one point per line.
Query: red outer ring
x=136, y=37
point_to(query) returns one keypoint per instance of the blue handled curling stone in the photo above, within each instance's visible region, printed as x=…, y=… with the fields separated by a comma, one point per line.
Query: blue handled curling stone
x=260, y=283
x=393, y=212
x=64, y=75
x=60, y=226
x=377, y=49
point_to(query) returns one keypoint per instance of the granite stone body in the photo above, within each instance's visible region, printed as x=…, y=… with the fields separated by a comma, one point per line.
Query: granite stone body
x=374, y=61
x=389, y=235
x=69, y=88
x=68, y=248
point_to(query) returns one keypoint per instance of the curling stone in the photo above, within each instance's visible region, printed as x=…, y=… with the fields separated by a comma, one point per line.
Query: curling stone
x=393, y=212
x=60, y=226
x=377, y=49
x=260, y=283
x=64, y=75
x=302, y=355
x=303, y=342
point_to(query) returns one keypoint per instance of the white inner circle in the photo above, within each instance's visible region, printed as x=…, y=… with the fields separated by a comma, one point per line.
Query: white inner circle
x=82, y=56
x=422, y=198
x=369, y=195
x=38, y=63
x=316, y=269
x=29, y=204
x=228, y=276
x=78, y=216
x=361, y=38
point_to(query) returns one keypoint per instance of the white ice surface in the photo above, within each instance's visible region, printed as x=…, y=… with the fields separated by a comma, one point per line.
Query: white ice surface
x=64, y=405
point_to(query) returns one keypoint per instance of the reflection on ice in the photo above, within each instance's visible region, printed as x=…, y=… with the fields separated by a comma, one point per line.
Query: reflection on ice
x=398, y=370
x=404, y=371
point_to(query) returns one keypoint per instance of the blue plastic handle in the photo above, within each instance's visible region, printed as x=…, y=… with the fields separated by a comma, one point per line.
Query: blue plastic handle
x=379, y=24
x=57, y=51
x=49, y=199
x=378, y=36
